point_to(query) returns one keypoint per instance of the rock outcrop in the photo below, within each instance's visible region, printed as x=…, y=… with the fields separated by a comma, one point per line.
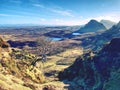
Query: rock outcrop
x=99, y=72
x=4, y=50
x=18, y=68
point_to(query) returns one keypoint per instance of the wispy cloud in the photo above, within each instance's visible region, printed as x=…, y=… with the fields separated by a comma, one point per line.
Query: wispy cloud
x=56, y=10
x=42, y=19
x=61, y=21
x=113, y=16
x=5, y=15
x=39, y=5
x=10, y=15
x=16, y=1
x=62, y=12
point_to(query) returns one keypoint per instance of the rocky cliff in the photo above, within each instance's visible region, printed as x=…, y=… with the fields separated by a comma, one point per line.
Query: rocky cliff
x=4, y=50
x=96, y=72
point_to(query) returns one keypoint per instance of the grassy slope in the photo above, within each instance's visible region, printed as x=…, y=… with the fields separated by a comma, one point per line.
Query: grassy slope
x=60, y=61
x=55, y=63
x=9, y=82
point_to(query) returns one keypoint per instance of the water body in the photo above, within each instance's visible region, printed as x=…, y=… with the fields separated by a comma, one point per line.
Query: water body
x=56, y=39
x=75, y=34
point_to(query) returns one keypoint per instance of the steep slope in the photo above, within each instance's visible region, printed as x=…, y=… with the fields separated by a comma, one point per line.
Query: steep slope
x=92, y=26
x=99, y=72
x=19, y=73
x=107, y=23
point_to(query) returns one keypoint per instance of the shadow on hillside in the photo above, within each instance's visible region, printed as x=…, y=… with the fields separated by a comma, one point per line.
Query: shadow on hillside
x=72, y=86
x=22, y=44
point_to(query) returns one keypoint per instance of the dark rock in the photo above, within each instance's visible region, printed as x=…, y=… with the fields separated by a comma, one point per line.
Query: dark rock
x=93, y=73
x=3, y=44
x=113, y=46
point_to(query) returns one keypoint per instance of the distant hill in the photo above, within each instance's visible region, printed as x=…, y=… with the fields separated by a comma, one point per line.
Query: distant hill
x=99, y=71
x=59, y=34
x=112, y=32
x=91, y=26
x=97, y=41
x=107, y=23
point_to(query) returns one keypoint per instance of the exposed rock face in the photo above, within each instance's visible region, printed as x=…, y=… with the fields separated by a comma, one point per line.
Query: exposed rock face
x=3, y=44
x=4, y=50
x=92, y=26
x=113, y=46
x=100, y=72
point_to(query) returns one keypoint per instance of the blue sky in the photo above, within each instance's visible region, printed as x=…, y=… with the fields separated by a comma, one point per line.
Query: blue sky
x=57, y=12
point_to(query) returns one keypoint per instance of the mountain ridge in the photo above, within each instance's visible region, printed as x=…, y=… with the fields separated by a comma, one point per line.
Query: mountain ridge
x=91, y=26
x=107, y=23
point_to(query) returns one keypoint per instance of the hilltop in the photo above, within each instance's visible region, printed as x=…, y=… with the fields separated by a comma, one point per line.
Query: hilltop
x=92, y=26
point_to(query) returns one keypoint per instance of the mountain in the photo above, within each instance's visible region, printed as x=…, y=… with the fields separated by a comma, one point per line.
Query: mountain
x=99, y=71
x=91, y=26
x=107, y=23
x=97, y=41
x=112, y=32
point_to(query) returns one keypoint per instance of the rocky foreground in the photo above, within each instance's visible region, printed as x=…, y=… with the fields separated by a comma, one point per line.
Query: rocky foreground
x=16, y=73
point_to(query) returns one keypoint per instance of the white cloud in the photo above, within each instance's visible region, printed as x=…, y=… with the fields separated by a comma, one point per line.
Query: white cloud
x=113, y=16
x=62, y=12
x=81, y=21
x=10, y=15
x=58, y=11
x=61, y=22
x=42, y=19
x=54, y=9
x=39, y=5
